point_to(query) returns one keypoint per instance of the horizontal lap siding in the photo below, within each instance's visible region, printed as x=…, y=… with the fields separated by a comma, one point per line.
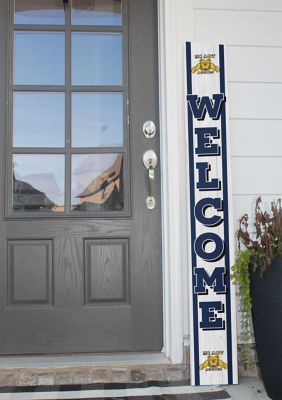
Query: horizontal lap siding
x=254, y=5
x=256, y=138
x=257, y=175
x=255, y=101
x=254, y=64
x=252, y=33
x=238, y=27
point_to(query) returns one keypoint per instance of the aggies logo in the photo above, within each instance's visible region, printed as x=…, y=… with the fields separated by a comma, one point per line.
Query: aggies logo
x=213, y=362
x=205, y=64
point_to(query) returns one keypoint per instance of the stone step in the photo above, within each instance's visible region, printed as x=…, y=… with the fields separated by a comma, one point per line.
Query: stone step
x=88, y=369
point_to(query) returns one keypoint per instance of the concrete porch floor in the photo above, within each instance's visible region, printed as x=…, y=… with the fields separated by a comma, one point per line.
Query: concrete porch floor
x=248, y=389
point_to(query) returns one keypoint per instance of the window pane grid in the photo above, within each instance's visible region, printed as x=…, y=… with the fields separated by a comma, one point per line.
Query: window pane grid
x=96, y=12
x=28, y=144
x=83, y=12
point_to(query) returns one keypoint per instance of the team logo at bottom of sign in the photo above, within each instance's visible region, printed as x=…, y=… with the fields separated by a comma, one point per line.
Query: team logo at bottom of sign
x=213, y=361
x=205, y=64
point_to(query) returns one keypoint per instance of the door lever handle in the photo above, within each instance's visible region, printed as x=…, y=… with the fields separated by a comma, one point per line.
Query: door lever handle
x=150, y=161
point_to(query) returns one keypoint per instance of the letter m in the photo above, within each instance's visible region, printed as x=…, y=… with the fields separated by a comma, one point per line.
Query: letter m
x=201, y=105
x=215, y=280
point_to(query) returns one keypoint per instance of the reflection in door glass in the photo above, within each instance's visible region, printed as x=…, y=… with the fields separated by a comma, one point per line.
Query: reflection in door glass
x=96, y=12
x=97, y=119
x=39, y=12
x=97, y=182
x=38, y=182
x=38, y=119
x=39, y=58
x=96, y=58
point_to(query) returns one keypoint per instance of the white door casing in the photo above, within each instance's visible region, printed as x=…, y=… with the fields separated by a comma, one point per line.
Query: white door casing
x=175, y=27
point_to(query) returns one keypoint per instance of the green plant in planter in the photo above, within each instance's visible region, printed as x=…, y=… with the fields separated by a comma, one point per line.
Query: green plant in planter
x=260, y=245
x=241, y=276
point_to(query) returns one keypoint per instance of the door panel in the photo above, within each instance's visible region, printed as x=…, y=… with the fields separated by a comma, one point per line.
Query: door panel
x=80, y=252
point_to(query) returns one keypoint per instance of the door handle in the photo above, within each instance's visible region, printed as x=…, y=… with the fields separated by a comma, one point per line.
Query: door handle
x=150, y=161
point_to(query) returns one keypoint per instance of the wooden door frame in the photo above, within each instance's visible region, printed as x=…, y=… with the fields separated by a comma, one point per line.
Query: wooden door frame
x=175, y=19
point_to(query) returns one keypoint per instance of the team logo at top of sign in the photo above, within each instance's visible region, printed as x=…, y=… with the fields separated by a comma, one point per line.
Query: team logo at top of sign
x=205, y=64
x=213, y=362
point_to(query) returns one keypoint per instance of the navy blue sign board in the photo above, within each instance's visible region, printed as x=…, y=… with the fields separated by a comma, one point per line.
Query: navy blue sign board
x=212, y=296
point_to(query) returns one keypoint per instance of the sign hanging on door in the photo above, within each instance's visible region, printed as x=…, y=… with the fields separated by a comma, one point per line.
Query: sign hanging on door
x=212, y=301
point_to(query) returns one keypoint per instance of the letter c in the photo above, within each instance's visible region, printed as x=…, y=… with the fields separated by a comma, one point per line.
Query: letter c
x=201, y=207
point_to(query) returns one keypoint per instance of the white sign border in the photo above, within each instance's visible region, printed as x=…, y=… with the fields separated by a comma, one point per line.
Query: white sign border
x=230, y=312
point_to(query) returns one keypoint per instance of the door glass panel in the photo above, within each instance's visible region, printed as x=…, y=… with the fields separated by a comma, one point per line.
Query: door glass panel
x=96, y=58
x=39, y=119
x=39, y=58
x=97, y=119
x=96, y=12
x=97, y=182
x=38, y=182
x=39, y=12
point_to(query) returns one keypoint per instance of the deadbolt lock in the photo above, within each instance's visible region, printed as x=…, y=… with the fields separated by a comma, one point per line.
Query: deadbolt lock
x=149, y=129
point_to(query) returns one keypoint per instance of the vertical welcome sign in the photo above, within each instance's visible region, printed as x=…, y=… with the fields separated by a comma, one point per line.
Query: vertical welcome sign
x=212, y=301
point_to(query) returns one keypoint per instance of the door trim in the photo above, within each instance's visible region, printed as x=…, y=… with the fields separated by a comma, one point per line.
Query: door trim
x=175, y=27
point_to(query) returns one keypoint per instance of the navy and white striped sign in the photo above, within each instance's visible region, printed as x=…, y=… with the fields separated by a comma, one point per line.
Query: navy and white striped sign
x=212, y=301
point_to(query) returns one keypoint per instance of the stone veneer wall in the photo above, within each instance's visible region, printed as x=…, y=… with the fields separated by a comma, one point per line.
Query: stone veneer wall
x=87, y=375
x=108, y=374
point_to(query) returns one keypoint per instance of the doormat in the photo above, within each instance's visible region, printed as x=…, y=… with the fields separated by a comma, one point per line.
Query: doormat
x=116, y=391
x=214, y=395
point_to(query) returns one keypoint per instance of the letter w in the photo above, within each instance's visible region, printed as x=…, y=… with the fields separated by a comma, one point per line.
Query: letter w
x=215, y=280
x=201, y=105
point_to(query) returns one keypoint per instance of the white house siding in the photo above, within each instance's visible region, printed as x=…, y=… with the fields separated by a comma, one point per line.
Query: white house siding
x=252, y=32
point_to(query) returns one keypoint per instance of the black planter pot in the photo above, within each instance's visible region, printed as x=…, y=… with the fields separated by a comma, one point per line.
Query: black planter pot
x=266, y=294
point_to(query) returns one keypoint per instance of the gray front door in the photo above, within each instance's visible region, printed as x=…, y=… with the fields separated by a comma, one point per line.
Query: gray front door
x=80, y=253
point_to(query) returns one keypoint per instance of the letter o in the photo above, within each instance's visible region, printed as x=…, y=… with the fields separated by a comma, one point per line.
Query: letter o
x=203, y=240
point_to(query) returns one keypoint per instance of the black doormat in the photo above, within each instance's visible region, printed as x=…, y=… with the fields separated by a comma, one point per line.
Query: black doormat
x=92, y=386
x=215, y=395
x=219, y=395
x=202, y=395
